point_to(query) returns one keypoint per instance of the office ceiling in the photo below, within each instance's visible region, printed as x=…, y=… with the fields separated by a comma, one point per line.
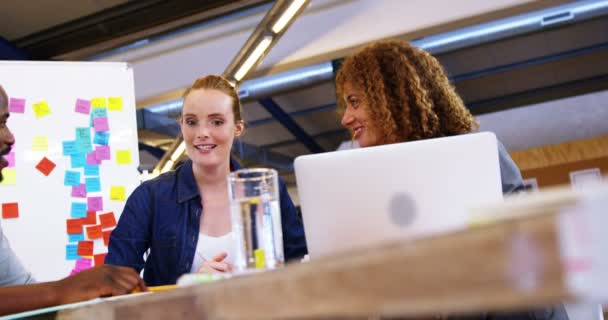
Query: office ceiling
x=506, y=74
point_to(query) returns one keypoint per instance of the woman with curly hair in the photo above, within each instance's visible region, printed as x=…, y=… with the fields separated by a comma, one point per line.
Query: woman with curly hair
x=391, y=92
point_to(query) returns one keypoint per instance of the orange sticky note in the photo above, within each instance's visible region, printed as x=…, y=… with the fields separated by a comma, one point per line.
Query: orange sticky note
x=99, y=258
x=85, y=248
x=74, y=226
x=107, y=220
x=45, y=166
x=94, y=232
x=91, y=218
x=10, y=210
x=106, y=237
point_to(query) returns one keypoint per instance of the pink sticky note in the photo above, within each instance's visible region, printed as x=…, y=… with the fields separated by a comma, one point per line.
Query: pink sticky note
x=103, y=152
x=79, y=191
x=84, y=263
x=92, y=159
x=94, y=204
x=16, y=105
x=83, y=106
x=10, y=158
x=101, y=124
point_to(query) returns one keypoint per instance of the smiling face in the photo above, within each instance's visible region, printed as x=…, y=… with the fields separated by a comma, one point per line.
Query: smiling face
x=208, y=127
x=357, y=119
x=6, y=136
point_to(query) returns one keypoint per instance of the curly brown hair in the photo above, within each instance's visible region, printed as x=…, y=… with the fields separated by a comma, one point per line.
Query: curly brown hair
x=406, y=91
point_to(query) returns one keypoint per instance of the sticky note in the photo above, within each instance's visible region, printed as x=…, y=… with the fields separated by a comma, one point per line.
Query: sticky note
x=99, y=259
x=91, y=170
x=75, y=237
x=94, y=204
x=118, y=193
x=103, y=153
x=90, y=219
x=92, y=159
x=102, y=138
x=115, y=103
x=10, y=158
x=10, y=176
x=260, y=258
x=83, y=106
x=99, y=102
x=79, y=191
x=123, y=157
x=106, y=237
x=71, y=252
x=79, y=210
x=94, y=232
x=10, y=210
x=46, y=166
x=16, y=105
x=84, y=146
x=85, y=248
x=98, y=112
x=71, y=178
x=107, y=220
x=74, y=226
x=69, y=148
x=40, y=143
x=92, y=184
x=101, y=124
x=78, y=160
x=41, y=109
x=83, y=264
x=83, y=134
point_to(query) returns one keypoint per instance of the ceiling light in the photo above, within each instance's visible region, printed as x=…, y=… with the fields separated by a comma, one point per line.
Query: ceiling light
x=287, y=15
x=253, y=57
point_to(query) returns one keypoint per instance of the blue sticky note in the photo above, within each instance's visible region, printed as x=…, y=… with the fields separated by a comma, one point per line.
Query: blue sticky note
x=91, y=170
x=99, y=113
x=102, y=138
x=72, y=178
x=71, y=252
x=84, y=146
x=69, y=148
x=78, y=160
x=75, y=237
x=79, y=210
x=83, y=134
x=92, y=185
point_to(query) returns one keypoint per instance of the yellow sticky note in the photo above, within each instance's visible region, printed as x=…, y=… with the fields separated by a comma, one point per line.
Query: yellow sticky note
x=123, y=157
x=115, y=103
x=98, y=102
x=40, y=143
x=118, y=193
x=10, y=176
x=260, y=258
x=41, y=109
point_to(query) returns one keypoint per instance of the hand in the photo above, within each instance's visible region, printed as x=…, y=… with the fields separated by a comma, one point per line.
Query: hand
x=105, y=280
x=216, y=265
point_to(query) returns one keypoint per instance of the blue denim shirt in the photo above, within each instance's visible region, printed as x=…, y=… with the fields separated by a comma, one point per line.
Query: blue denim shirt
x=164, y=215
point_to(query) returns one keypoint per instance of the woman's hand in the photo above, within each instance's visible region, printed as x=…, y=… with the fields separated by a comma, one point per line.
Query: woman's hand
x=216, y=265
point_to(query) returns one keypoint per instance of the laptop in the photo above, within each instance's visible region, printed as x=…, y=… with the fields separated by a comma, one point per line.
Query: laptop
x=363, y=197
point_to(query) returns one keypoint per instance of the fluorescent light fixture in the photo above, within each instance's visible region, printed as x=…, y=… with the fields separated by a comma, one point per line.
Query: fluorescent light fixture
x=167, y=166
x=253, y=57
x=287, y=15
x=178, y=151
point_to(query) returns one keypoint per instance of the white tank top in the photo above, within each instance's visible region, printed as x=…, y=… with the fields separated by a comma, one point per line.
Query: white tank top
x=209, y=247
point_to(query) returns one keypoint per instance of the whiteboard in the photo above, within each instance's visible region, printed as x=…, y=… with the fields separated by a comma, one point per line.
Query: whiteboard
x=39, y=234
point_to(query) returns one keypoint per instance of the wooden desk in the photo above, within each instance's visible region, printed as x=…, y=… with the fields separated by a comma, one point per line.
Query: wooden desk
x=516, y=263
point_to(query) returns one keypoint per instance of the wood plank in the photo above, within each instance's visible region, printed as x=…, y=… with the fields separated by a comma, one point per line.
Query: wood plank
x=528, y=256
